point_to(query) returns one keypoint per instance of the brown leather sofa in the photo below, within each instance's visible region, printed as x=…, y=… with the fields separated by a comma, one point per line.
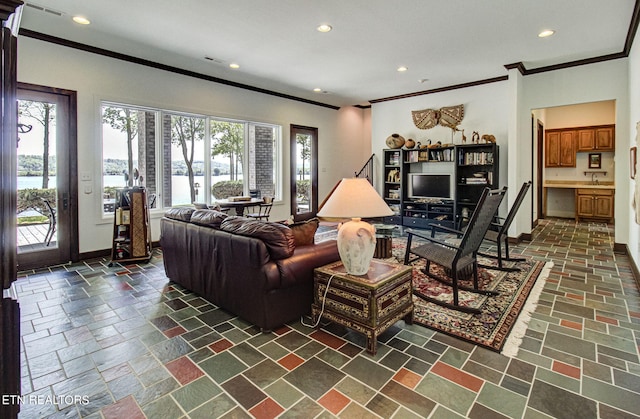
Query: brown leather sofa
x=253, y=269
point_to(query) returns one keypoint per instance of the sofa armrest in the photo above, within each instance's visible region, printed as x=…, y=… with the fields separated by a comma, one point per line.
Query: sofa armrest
x=299, y=267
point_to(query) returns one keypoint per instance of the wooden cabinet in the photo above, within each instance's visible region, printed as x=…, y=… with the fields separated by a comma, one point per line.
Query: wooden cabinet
x=131, y=233
x=560, y=148
x=598, y=138
x=594, y=204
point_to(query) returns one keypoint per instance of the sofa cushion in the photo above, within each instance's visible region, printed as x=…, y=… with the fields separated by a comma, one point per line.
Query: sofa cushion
x=208, y=218
x=179, y=213
x=304, y=231
x=277, y=237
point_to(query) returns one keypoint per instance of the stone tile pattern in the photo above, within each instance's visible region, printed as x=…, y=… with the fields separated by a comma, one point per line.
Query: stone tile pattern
x=129, y=343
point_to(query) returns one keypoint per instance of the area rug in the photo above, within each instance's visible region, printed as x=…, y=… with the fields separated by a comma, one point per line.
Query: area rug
x=500, y=314
x=504, y=318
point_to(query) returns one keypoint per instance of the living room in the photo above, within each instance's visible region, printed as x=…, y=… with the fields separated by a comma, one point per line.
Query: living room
x=348, y=135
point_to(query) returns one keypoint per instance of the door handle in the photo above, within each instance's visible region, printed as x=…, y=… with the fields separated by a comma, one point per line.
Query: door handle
x=65, y=201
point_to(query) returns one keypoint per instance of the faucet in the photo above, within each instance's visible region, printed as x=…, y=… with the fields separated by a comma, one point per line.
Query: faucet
x=594, y=182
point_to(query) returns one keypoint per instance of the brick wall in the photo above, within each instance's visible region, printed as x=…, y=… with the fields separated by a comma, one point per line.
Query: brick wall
x=166, y=161
x=147, y=150
x=261, y=160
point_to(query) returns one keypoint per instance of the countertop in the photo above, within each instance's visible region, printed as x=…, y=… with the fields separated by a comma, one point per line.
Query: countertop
x=574, y=184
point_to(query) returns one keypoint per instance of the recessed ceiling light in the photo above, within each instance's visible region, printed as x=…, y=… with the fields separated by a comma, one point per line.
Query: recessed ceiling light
x=324, y=28
x=317, y=90
x=546, y=33
x=235, y=66
x=81, y=20
x=402, y=68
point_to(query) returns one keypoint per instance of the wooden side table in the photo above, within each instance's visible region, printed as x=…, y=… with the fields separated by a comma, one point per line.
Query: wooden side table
x=368, y=303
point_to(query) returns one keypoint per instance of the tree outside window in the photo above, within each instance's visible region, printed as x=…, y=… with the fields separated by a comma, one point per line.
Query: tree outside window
x=170, y=152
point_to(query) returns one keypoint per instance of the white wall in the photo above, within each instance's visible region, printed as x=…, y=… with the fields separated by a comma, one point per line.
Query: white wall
x=634, y=117
x=605, y=81
x=485, y=111
x=505, y=108
x=342, y=139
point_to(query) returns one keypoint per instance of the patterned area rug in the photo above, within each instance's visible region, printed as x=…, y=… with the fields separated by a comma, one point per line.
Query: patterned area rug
x=499, y=313
x=504, y=318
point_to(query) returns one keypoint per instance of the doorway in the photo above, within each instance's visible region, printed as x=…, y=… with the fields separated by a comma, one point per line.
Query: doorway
x=561, y=201
x=304, y=172
x=539, y=177
x=46, y=177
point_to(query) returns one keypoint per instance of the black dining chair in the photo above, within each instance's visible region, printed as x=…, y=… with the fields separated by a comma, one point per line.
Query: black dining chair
x=262, y=212
x=457, y=259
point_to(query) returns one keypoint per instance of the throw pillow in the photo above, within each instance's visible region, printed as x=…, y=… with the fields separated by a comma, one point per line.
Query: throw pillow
x=179, y=213
x=208, y=218
x=304, y=231
x=277, y=237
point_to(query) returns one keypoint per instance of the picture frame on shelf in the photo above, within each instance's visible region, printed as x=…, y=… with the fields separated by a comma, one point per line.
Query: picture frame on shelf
x=595, y=160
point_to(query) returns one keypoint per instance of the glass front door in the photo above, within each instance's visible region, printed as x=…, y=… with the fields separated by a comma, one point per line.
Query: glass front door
x=43, y=203
x=304, y=172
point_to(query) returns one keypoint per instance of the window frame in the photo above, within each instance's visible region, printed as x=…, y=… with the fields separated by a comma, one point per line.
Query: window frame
x=159, y=161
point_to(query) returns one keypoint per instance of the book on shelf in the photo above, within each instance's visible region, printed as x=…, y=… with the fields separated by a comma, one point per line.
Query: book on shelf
x=430, y=154
x=475, y=181
x=475, y=158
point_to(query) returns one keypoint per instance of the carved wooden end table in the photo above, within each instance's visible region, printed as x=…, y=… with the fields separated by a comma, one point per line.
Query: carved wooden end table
x=368, y=303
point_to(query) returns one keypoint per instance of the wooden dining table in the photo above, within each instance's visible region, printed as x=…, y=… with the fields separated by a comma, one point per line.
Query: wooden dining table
x=238, y=206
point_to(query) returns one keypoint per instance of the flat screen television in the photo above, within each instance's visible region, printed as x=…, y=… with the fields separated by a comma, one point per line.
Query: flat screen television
x=428, y=185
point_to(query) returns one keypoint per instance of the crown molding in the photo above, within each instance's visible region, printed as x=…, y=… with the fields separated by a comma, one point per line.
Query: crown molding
x=442, y=89
x=131, y=59
x=8, y=7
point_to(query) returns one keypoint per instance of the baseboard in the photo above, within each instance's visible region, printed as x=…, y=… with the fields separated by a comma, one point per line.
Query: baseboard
x=106, y=252
x=523, y=237
x=624, y=249
x=95, y=254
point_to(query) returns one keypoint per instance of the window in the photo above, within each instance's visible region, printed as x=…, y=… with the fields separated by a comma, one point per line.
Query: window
x=184, y=139
x=243, y=156
x=128, y=150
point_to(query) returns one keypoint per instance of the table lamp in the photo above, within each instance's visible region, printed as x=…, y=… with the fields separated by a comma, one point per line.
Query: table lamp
x=355, y=198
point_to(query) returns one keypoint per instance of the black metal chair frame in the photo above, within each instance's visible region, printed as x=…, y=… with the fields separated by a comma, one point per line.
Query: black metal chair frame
x=501, y=234
x=498, y=233
x=52, y=223
x=263, y=212
x=458, y=257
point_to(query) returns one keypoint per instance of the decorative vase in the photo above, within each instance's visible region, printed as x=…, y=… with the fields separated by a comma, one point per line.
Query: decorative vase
x=356, y=245
x=395, y=141
x=410, y=143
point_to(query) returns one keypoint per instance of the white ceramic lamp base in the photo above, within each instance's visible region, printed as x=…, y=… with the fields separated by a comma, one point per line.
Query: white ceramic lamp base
x=356, y=245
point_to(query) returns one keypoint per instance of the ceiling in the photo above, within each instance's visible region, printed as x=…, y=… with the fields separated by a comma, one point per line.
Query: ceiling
x=275, y=42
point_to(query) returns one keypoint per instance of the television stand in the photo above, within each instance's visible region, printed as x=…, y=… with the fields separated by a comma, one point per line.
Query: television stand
x=421, y=213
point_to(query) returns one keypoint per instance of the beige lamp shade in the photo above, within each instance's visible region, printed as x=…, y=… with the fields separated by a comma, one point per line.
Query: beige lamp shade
x=355, y=198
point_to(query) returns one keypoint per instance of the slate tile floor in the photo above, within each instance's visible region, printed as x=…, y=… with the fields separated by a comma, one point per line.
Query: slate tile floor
x=123, y=342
